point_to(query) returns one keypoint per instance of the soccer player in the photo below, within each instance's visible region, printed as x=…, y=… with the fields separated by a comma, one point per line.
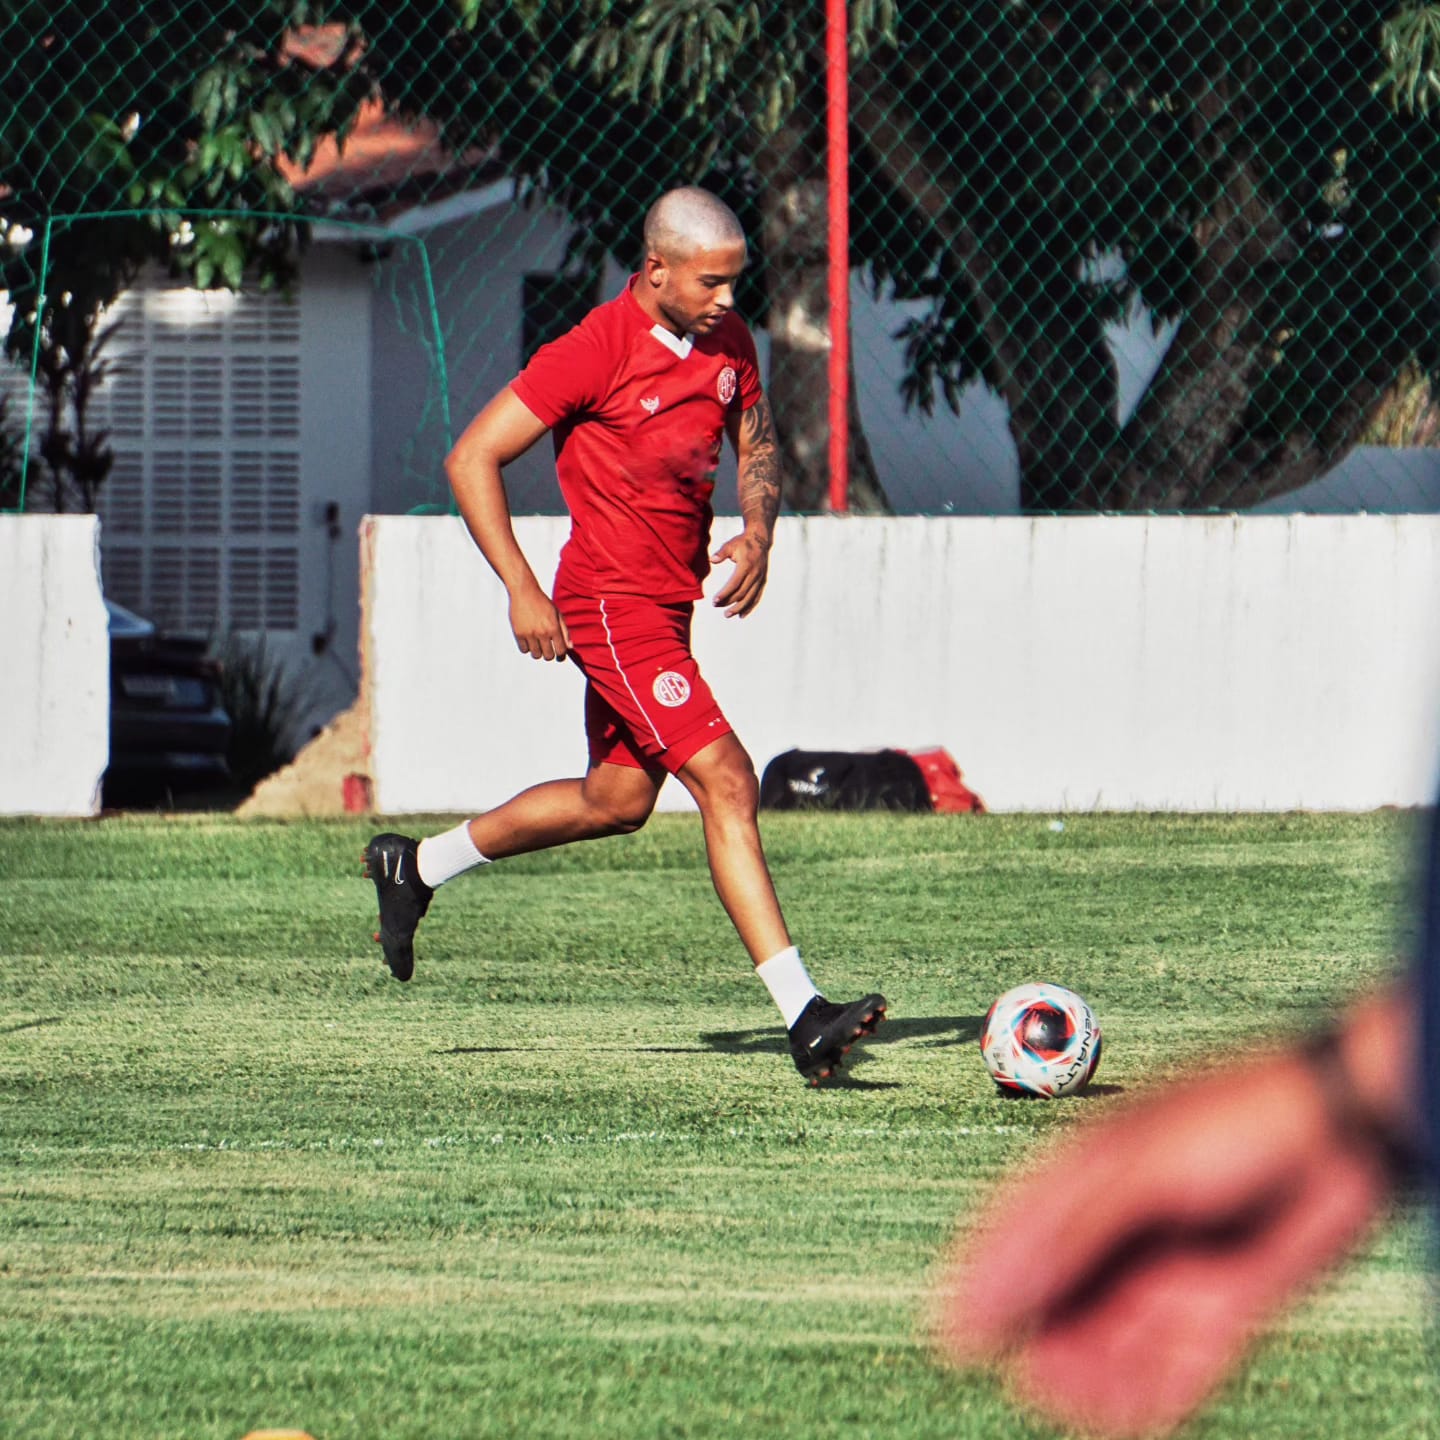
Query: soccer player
x=638, y=397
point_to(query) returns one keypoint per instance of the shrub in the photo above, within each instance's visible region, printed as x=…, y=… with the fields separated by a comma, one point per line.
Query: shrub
x=267, y=705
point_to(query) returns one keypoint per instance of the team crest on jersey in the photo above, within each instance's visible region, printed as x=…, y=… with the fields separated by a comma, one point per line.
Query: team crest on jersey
x=726, y=385
x=671, y=688
x=650, y=404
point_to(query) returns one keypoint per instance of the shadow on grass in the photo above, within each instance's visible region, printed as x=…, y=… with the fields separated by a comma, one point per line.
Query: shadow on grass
x=1090, y=1092
x=938, y=1030
x=30, y=1025
x=847, y=1080
x=589, y=1050
x=934, y=1031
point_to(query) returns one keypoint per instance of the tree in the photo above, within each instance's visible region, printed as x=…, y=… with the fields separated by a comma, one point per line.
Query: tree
x=1255, y=171
x=603, y=107
x=1235, y=159
x=758, y=74
x=1036, y=171
x=146, y=119
x=149, y=115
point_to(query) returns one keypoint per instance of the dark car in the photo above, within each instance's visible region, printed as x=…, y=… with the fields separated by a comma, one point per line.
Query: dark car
x=168, y=727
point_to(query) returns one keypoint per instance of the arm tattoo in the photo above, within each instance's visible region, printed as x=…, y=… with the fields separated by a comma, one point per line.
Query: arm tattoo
x=760, y=469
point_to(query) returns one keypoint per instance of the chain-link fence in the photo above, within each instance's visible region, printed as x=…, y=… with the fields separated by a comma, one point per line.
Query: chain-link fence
x=1147, y=257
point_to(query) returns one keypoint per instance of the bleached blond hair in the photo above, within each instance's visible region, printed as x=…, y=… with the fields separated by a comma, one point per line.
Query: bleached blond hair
x=683, y=221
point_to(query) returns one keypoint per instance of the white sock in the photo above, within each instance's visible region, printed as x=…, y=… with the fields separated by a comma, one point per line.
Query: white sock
x=788, y=982
x=443, y=857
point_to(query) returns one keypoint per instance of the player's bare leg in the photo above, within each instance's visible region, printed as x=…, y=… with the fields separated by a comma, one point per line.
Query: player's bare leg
x=609, y=800
x=722, y=780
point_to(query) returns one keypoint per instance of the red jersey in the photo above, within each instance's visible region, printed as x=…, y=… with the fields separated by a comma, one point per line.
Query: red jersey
x=638, y=419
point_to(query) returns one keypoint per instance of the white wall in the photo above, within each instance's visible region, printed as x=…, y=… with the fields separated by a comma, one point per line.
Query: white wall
x=54, y=666
x=1250, y=663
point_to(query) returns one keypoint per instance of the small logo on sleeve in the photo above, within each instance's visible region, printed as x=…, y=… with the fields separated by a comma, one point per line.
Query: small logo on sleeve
x=726, y=385
x=650, y=404
x=671, y=688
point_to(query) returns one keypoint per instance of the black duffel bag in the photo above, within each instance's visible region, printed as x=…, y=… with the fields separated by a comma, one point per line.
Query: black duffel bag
x=844, y=780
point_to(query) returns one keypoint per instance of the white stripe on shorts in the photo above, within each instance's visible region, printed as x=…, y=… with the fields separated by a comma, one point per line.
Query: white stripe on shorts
x=620, y=671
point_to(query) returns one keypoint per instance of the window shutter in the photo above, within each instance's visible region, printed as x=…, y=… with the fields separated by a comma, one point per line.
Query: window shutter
x=202, y=510
x=122, y=571
x=121, y=502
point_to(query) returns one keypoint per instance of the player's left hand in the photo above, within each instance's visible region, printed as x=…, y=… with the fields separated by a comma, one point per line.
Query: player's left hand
x=750, y=554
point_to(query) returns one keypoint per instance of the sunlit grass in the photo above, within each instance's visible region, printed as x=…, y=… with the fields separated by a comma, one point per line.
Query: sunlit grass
x=566, y=1182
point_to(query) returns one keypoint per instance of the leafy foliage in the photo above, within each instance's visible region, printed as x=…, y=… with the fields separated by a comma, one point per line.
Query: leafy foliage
x=1410, y=42
x=1037, y=173
x=71, y=366
x=266, y=703
x=1257, y=173
x=141, y=118
x=1229, y=167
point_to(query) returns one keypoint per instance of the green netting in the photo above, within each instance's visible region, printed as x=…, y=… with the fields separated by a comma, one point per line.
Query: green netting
x=1152, y=257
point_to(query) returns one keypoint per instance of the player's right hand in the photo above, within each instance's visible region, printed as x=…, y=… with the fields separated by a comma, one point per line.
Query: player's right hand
x=539, y=630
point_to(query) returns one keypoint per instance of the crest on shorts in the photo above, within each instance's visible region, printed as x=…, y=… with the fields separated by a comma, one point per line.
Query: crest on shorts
x=726, y=385
x=671, y=688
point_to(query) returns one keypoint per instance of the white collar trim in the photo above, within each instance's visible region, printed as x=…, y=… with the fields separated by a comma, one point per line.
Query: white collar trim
x=681, y=345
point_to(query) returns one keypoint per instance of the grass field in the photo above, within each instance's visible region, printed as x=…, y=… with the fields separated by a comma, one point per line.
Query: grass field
x=566, y=1182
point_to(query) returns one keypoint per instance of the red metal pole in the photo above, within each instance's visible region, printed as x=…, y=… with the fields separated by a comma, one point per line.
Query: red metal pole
x=837, y=127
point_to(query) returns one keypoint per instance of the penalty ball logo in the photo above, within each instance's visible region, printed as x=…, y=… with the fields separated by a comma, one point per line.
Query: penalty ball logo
x=671, y=688
x=726, y=385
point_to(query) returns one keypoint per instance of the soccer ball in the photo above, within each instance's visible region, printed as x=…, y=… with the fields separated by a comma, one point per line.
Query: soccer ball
x=1040, y=1040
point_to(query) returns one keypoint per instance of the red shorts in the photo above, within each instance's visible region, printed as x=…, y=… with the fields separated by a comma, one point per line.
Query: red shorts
x=646, y=703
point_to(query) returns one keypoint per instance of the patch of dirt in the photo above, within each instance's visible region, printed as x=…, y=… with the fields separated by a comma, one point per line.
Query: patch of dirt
x=329, y=776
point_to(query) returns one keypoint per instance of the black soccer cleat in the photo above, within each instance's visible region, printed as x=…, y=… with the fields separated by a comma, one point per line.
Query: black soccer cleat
x=823, y=1033
x=391, y=862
